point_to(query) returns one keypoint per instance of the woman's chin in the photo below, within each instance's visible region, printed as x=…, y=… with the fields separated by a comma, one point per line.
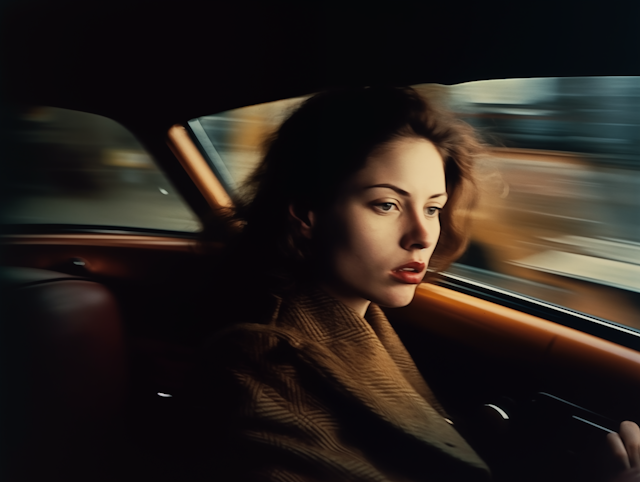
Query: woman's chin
x=397, y=297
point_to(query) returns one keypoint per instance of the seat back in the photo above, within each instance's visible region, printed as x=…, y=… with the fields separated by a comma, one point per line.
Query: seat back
x=63, y=375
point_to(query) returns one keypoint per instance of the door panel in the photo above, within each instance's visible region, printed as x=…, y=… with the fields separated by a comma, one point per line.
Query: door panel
x=518, y=337
x=560, y=388
x=160, y=285
x=108, y=256
x=159, y=281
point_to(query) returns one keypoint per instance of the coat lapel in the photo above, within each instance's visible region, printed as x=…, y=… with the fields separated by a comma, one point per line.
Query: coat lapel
x=364, y=359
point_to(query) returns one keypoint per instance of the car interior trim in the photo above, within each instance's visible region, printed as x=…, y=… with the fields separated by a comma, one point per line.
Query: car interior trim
x=595, y=425
x=590, y=324
x=40, y=229
x=500, y=411
x=210, y=153
x=488, y=325
x=197, y=167
x=107, y=240
x=549, y=305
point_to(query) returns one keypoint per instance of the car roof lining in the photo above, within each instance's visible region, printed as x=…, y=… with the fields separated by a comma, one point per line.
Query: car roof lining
x=128, y=60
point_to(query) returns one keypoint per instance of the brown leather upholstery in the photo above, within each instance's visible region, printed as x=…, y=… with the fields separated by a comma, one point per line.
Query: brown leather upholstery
x=63, y=380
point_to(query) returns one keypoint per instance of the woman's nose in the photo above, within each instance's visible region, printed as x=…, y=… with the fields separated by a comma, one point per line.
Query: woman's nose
x=418, y=233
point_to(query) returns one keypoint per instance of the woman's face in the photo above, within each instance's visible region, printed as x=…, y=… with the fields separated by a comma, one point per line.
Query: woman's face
x=381, y=232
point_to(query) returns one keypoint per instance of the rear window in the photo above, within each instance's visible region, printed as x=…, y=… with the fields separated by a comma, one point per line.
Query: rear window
x=74, y=168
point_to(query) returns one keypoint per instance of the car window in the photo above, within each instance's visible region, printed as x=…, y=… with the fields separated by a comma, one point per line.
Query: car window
x=75, y=168
x=557, y=216
x=232, y=140
x=559, y=187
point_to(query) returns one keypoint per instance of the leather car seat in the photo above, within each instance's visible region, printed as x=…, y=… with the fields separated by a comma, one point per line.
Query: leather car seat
x=63, y=380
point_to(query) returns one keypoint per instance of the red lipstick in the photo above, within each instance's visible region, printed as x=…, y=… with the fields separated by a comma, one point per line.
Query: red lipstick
x=410, y=273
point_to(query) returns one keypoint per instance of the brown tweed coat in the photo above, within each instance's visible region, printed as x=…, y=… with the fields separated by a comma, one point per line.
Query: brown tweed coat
x=320, y=393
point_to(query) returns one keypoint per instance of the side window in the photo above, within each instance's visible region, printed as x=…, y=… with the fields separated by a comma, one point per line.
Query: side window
x=232, y=140
x=557, y=218
x=75, y=168
x=559, y=187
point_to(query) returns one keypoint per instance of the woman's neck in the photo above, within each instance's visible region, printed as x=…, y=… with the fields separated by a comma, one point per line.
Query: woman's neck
x=356, y=303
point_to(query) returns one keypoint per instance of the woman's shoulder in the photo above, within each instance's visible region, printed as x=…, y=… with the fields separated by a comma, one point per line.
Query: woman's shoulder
x=299, y=327
x=249, y=333
x=247, y=338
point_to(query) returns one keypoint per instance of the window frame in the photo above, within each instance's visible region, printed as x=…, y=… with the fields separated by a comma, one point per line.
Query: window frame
x=605, y=329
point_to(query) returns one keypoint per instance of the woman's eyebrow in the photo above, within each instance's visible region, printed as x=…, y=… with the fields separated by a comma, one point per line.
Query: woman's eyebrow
x=439, y=195
x=402, y=192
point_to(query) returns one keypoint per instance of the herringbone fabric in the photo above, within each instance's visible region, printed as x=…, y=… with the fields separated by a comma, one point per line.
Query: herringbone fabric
x=320, y=393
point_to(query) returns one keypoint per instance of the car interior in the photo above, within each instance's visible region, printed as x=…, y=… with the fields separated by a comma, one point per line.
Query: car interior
x=102, y=320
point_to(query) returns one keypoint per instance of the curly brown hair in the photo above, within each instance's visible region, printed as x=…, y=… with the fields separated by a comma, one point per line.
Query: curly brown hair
x=325, y=141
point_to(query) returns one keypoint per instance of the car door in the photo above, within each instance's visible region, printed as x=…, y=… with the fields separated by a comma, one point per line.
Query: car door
x=92, y=207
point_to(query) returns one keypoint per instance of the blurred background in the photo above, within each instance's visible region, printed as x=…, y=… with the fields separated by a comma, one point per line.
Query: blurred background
x=558, y=217
x=75, y=168
x=560, y=190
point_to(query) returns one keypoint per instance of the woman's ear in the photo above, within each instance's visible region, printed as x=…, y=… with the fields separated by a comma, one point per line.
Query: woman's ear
x=304, y=220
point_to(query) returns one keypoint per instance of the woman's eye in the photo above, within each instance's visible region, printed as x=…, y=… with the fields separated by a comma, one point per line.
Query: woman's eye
x=386, y=207
x=432, y=211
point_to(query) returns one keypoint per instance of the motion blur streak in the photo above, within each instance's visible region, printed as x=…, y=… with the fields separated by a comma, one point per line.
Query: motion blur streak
x=558, y=218
x=560, y=188
x=561, y=191
x=71, y=167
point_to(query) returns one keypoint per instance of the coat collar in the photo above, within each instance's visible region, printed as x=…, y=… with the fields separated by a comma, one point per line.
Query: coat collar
x=365, y=359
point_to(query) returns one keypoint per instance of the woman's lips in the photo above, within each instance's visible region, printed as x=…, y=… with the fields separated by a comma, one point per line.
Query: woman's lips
x=410, y=273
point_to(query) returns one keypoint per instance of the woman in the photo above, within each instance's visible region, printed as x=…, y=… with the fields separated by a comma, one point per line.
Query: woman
x=360, y=191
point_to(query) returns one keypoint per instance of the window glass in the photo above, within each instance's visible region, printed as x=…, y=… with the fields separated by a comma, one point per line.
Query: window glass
x=232, y=140
x=72, y=167
x=558, y=215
